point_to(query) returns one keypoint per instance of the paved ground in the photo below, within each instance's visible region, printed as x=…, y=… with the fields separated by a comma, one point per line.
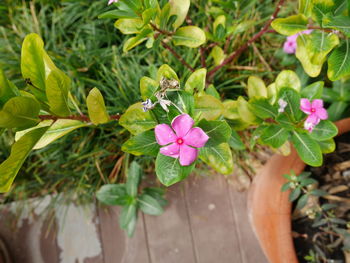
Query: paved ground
x=205, y=222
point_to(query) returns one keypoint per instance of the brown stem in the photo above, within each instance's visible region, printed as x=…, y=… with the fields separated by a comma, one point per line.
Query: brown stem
x=248, y=43
x=176, y=55
x=83, y=118
x=202, y=51
x=164, y=32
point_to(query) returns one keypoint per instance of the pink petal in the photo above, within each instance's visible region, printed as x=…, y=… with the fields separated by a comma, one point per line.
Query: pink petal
x=322, y=114
x=289, y=47
x=313, y=119
x=182, y=124
x=196, y=137
x=305, y=106
x=317, y=104
x=164, y=134
x=187, y=155
x=171, y=150
x=306, y=32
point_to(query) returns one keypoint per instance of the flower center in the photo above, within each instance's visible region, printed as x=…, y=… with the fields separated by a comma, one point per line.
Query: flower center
x=179, y=141
x=313, y=110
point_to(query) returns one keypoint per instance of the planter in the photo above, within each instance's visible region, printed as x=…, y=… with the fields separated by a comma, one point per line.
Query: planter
x=269, y=208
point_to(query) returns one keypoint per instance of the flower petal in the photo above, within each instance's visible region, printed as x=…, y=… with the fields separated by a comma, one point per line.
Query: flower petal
x=305, y=106
x=289, y=47
x=196, y=137
x=187, y=155
x=182, y=124
x=322, y=114
x=317, y=104
x=172, y=150
x=313, y=119
x=164, y=134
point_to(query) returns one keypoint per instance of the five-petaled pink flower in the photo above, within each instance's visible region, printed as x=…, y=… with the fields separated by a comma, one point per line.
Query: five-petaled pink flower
x=112, y=1
x=290, y=45
x=315, y=111
x=181, y=140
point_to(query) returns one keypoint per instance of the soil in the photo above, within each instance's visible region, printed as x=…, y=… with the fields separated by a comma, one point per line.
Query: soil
x=333, y=177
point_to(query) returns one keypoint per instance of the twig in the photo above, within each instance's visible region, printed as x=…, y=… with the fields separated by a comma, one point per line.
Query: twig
x=83, y=118
x=202, y=51
x=176, y=55
x=248, y=43
x=256, y=50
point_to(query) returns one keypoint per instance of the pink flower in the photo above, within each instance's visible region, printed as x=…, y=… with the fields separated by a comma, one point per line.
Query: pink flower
x=290, y=45
x=181, y=140
x=315, y=111
x=112, y=1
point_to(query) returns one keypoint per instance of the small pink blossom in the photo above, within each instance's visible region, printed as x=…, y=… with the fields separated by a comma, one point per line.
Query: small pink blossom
x=290, y=45
x=181, y=140
x=315, y=110
x=112, y=1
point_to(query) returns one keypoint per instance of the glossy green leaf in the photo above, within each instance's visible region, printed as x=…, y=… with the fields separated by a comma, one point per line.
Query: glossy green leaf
x=136, y=121
x=217, y=53
x=57, y=89
x=305, y=7
x=142, y=144
x=219, y=157
x=196, y=81
x=96, y=107
x=165, y=71
x=19, y=152
x=169, y=171
x=341, y=23
x=179, y=8
x=19, y=112
x=231, y=109
x=236, y=142
x=287, y=79
x=319, y=45
x=8, y=90
x=313, y=91
x=149, y=205
x=55, y=131
x=293, y=103
x=133, y=179
x=112, y=194
x=339, y=62
x=127, y=216
x=290, y=25
x=209, y=107
x=244, y=111
x=325, y=130
x=327, y=146
x=274, y=136
x=129, y=25
x=263, y=109
x=148, y=87
x=336, y=110
x=135, y=41
x=218, y=131
x=307, y=148
x=189, y=36
x=256, y=88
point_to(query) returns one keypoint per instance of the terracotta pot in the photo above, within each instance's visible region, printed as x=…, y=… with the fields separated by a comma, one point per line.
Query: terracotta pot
x=269, y=208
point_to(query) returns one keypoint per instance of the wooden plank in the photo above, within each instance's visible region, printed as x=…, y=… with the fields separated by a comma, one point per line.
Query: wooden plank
x=250, y=248
x=212, y=223
x=169, y=235
x=117, y=247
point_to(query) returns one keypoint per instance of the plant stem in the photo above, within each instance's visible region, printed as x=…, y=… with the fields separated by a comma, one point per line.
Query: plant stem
x=82, y=118
x=248, y=43
x=176, y=55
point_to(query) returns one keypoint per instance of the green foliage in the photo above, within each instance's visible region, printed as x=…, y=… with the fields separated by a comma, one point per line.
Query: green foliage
x=189, y=36
x=142, y=144
x=96, y=107
x=219, y=157
x=290, y=25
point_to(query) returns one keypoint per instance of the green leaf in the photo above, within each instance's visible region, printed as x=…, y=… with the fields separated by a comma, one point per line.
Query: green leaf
x=57, y=89
x=286, y=187
x=142, y=144
x=217, y=53
x=327, y=146
x=235, y=141
x=157, y=193
x=196, y=81
x=136, y=121
x=244, y=111
x=274, y=136
x=179, y=8
x=329, y=95
x=290, y=25
x=129, y=25
x=302, y=201
x=263, y=109
x=96, y=107
x=339, y=62
x=294, y=194
x=231, y=109
x=165, y=71
x=256, y=88
x=308, y=149
x=189, y=36
x=323, y=131
x=55, y=131
x=112, y=194
x=148, y=15
x=336, y=110
x=287, y=79
x=19, y=152
x=341, y=23
x=149, y=205
x=313, y=91
x=305, y=7
x=169, y=171
x=209, y=107
x=148, y=87
x=135, y=41
x=218, y=131
x=219, y=157
x=318, y=192
x=128, y=214
x=293, y=102
x=116, y=14
x=19, y=112
x=7, y=89
x=133, y=180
